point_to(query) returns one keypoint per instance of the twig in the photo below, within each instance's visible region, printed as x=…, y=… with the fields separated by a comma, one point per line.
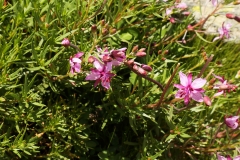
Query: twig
x=205, y=66
x=167, y=86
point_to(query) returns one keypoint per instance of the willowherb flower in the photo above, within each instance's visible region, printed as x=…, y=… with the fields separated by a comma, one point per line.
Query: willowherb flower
x=231, y=121
x=223, y=86
x=189, y=89
x=223, y=32
x=75, y=62
x=116, y=57
x=65, y=42
x=219, y=157
x=101, y=74
x=227, y=157
x=181, y=5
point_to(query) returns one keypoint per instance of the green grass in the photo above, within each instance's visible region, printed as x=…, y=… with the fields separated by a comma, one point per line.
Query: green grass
x=47, y=113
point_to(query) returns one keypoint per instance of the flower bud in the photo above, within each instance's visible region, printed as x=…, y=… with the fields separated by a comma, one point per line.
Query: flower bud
x=65, y=42
x=135, y=48
x=190, y=27
x=166, y=51
x=146, y=68
x=141, y=54
x=207, y=100
x=186, y=13
x=223, y=87
x=130, y=62
x=142, y=71
x=212, y=81
x=118, y=54
x=113, y=30
x=236, y=18
x=230, y=15
x=160, y=52
x=142, y=50
x=107, y=58
x=102, y=22
x=104, y=31
x=135, y=67
x=91, y=59
x=172, y=20
x=94, y=28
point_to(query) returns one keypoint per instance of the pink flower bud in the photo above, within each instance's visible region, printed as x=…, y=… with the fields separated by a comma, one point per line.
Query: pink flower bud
x=172, y=20
x=91, y=59
x=135, y=67
x=223, y=86
x=207, y=100
x=190, y=27
x=106, y=58
x=135, y=48
x=231, y=121
x=142, y=71
x=146, y=68
x=186, y=13
x=142, y=50
x=230, y=15
x=65, y=42
x=118, y=54
x=130, y=62
x=141, y=54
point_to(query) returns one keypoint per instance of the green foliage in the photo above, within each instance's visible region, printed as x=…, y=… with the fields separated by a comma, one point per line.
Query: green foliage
x=48, y=113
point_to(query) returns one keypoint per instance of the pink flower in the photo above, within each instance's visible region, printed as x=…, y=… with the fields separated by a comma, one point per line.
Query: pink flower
x=189, y=89
x=65, y=42
x=223, y=86
x=223, y=158
x=227, y=157
x=169, y=11
x=116, y=57
x=101, y=74
x=181, y=5
x=75, y=62
x=214, y=2
x=224, y=31
x=231, y=121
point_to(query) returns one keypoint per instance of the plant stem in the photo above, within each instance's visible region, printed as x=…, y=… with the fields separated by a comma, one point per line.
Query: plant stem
x=167, y=86
x=145, y=77
x=205, y=66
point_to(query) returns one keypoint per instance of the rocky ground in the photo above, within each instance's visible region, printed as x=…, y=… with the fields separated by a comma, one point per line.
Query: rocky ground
x=202, y=8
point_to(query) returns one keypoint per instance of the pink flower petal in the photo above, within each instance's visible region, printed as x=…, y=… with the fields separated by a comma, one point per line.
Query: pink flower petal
x=76, y=60
x=183, y=79
x=98, y=65
x=78, y=55
x=179, y=86
x=218, y=94
x=108, y=67
x=198, y=83
x=197, y=96
x=236, y=158
x=93, y=76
